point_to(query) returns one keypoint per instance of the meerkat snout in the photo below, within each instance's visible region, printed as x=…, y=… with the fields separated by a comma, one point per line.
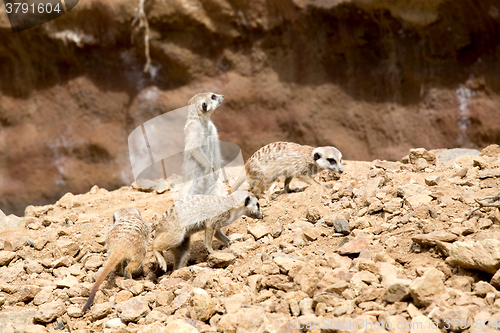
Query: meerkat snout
x=328, y=158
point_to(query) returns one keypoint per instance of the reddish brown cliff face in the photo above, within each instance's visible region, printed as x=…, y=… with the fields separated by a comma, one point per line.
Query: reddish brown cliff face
x=373, y=78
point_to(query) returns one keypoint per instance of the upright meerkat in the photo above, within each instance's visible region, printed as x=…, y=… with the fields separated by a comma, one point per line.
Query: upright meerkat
x=126, y=243
x=290, y=160
x=202, y=156
x=196, y=213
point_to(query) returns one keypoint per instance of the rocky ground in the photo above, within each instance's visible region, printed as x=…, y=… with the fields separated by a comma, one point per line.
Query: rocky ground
x=400, y=244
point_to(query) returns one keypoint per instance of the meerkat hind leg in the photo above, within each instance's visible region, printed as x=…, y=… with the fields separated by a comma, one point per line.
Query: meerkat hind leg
x=133, y=266
x=209, y=235
x=287, y=184
x=222, y=237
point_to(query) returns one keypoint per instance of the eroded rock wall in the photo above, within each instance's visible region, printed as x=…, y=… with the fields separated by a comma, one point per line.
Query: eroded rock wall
x=374, y=78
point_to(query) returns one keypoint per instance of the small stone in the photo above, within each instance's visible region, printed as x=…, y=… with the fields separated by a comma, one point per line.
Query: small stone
x=306, y=306
x=341, y=227
x=495, y=280
x=94, y=262
x=417, y=200
x=482, y=288
x=133, y=309
x=432, y=180
x=220, y=259
x=491, y=151
x=462, y=283
x=115, y=323
x=180, y=326
x=354, y=246
x=397, y=292
x=422, y=324
x=312, y=233
x=74, y=311
x=6, y=257
x=425, y=288
x=375, y=207
x=417, y=153
x=68, y=247
x=430, y=239
x=460, y=173
x=63, y=262
x=482, y=255
x=259, y=230
x=313, y=215
x=156, y=316
x=94, y=189
x=202, y=306
x=101, y=310
x=49, y=311
x=67, y=282
x=27, y=293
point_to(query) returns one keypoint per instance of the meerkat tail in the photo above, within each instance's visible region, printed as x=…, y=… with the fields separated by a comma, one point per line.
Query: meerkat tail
x=113, y=260
x=239, y=181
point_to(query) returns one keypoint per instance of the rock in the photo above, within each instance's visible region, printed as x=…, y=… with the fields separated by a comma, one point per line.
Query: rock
x=451, y=154
x=425, y=288
x=11, y=222
x=417, y=200
x=44, y=295
x=180, y=300
x=202, y=306
x=234, y=303
x=430, y=239
x=259, y=230
x=101, y=310
x=455, y=320
x=489, y=173
x=286, y=262
x=13, y=321
x=417, y=153
x=93, y=262
x=67, y=282
x=422, y=324
x=156, y=316
x=67, y=247
x=312, y=233
x=74, y=311
x=160, y=328
x=313, y=215
x=432, y=180
x=115, y=323
x=491, y=151
x=6, y=257
x=341, y=227
x=393, y=205
x=133, y=309
x=482, y=255
x=375, y=207
x=245, y=320
x=411, y=190
x=397, y=292
x=495, y=280
x=63, y=262
x=220, y=259
x=460, y=173
x=462, y=283
x=180, y=326
x=482, y=288
x=306, y=306
x=49, y=311
x=354, y=246
x=27, y=293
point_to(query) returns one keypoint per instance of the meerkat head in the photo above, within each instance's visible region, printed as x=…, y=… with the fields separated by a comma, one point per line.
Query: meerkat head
x=328, y=158
x=249, y=203
x=206, y=103
x=124, y=211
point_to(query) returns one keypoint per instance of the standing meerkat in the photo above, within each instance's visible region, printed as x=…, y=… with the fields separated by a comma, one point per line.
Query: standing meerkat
x=126, y=243
x=202, y=156
x=290, y=160
x=196, y=213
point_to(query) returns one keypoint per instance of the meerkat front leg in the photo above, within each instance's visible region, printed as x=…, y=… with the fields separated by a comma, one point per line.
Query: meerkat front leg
x=287, y=184
x=200, y=157
x=309, y=180
x=181, y=253
x=222, y=237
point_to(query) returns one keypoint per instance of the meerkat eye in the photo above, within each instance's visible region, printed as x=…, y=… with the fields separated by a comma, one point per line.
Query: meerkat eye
x=317, y=156
x=258, y=205
x=213, y=97
x=331, y=160
x=247, y=201
x=204, y=107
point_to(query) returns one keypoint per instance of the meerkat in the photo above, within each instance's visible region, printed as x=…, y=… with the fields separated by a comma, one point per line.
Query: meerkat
x=290, y=160
x=202, y=156
x=126, y=243
x=196, y=213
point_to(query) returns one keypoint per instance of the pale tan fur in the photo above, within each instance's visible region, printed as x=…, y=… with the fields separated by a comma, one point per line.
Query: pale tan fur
x=196, y=213
x=126, y=243
x=287, y=159
x=202, y=156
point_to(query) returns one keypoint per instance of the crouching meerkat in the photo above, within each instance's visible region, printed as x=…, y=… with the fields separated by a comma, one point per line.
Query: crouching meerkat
x=196, y=213
x=126, y=244
x=202, y=156
x=290, y=160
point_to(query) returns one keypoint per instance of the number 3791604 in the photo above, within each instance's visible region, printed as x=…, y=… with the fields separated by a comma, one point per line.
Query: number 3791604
x=40, y=8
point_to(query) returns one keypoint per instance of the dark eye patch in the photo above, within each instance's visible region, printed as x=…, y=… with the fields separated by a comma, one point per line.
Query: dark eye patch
x=258, y=205
x=317, y=156
x=204, y=107
x=213, y=97
x=331, y=160
x=247, y=201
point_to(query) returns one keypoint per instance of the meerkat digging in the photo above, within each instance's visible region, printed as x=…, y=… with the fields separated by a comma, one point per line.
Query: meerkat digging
x=126, y=243
x=290, y=160
x=202, y=156
x=196, y=213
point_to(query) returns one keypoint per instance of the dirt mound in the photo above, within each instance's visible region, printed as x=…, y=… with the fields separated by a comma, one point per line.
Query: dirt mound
x=386, y=243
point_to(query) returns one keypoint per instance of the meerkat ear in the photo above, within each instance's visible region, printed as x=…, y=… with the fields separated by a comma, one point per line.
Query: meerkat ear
x=204, y=106
x=317, y=156
x=247, y=201
x=114, y=218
